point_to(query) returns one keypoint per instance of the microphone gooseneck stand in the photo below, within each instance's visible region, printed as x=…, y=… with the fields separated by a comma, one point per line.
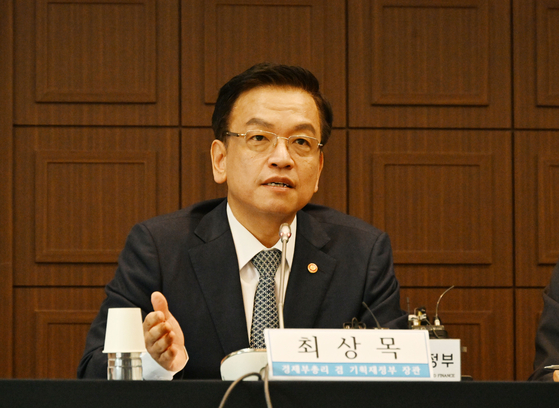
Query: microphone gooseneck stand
x=285, y=234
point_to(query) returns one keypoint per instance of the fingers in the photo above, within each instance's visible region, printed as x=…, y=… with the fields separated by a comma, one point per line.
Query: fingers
x=163, y=335
x=158, y=335
x=155, y=327
x=159, y=303
x=556, y=376
x=167, y=351
x=159, y=339
x=153, y=319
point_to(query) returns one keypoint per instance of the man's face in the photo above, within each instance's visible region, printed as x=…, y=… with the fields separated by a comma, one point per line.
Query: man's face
x=275, y=184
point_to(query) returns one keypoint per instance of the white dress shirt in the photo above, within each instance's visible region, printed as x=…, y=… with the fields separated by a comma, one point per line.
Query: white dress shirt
x=246, y=246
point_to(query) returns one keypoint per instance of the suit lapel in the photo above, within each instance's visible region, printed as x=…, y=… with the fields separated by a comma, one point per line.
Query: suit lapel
x=217, y=270
x=216, y=267
x=305, y=290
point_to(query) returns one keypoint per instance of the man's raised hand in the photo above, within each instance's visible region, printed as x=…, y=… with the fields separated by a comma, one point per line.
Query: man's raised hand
x=163, y=336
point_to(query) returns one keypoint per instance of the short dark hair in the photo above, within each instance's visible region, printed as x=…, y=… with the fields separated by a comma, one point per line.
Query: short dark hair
x=270, y=74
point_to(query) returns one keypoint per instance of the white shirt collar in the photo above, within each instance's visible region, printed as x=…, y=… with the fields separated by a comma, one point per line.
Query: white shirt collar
x=247, y=246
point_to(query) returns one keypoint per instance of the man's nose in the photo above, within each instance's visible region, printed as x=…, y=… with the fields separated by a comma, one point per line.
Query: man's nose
x=280, y=155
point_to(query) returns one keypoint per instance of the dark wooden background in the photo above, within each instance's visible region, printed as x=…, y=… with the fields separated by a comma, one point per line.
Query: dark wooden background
x=446, y=136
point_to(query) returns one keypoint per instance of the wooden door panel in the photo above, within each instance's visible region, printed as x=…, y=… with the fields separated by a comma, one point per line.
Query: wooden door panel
x=536, y=196
x=54, y=323
x=78, y=193
x=429, y=64
x=445, y=199
x=86, y=62
x=536, y=64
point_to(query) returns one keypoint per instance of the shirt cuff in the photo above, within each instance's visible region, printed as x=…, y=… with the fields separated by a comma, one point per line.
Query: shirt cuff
x=153, y=371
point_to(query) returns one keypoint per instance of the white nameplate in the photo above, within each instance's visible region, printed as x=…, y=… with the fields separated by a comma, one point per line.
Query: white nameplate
x=346, y=354
x=445, y=359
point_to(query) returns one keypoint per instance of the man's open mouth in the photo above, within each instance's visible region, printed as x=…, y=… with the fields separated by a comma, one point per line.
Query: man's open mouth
x=278, y=185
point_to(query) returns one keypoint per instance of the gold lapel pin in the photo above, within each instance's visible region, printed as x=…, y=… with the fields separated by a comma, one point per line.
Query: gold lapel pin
x=312, y=268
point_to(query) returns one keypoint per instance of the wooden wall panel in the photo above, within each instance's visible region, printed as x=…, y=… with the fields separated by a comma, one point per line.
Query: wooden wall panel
x=54, y=323
x=74, y=72
x=528, y=306
x=547, y=53
x=429, y=64
x=221, y=38
x=52, y=326
x=536, y=178
x=445, y=199
x=477, y=318
x=6, y=188
x=198, y=183
x=459, y=207
x=536, y=64
x=64, y=179
x=78, y=193
x=96, y=62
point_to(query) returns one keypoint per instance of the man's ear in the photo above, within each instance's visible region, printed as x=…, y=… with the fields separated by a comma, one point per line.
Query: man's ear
x=218, y=153
x=320, y=166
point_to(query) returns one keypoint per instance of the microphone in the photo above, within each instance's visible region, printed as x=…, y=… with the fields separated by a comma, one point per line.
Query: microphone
x=437, y=320
x=372, y=314
x=285, y=234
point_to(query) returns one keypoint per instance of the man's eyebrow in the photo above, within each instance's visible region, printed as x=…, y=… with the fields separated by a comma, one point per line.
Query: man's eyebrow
x=261, y=122
x=306, y=126
x=268, y=125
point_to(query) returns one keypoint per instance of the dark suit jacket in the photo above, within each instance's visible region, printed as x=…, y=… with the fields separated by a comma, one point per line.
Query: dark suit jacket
x=189, y=256
x=547, y=336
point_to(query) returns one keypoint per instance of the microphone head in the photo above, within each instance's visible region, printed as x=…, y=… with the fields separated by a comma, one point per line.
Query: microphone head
x=285, y=232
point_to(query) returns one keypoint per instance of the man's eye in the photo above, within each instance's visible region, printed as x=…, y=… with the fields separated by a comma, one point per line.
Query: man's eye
x=258, y=138
x=301, y=141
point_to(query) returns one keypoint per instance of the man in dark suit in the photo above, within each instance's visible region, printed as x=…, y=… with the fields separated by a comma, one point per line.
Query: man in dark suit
x=547, y=336
x=196, y=268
